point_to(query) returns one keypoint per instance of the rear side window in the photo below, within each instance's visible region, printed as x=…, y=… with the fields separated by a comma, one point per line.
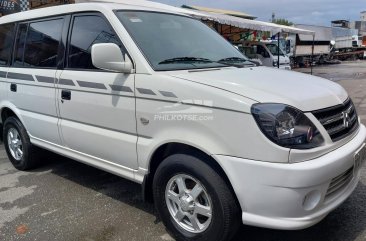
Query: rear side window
x=43, y=39
x=86, y=31
x=6, y=42
x=37, y=44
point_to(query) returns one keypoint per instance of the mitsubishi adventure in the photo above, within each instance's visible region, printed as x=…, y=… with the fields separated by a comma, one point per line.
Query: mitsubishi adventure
x=151, y=94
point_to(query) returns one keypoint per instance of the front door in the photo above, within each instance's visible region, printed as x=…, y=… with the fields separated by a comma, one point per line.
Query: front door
x=97, y=108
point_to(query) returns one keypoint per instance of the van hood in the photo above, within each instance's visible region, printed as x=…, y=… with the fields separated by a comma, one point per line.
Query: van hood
x=269, y=85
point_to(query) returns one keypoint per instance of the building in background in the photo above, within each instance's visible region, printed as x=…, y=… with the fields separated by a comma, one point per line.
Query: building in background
x=363, y=16
x=48, y=3
x=341, y=24
x=360, y=25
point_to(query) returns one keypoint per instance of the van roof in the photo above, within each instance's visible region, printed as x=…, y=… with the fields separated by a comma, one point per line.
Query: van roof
x=94, y=5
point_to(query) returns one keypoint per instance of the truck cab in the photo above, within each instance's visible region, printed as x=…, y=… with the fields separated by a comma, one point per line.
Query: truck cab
x=267, y=53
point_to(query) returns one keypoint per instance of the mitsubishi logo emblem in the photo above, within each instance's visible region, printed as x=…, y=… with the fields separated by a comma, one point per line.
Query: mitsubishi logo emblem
x=346, y=119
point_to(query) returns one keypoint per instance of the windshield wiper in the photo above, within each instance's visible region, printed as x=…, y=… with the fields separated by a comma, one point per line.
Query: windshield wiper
x=225, y=62
x=236, y=59
x=186, y=60
x=233, y=60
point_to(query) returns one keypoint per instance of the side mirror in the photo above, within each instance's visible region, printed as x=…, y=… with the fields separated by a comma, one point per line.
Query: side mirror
x=108, y=56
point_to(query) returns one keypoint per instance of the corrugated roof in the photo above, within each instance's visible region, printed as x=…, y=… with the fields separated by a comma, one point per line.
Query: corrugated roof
x=251, y=24
x=221, y=11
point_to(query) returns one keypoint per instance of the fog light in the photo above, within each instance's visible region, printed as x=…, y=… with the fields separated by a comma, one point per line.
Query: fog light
x=311, y=200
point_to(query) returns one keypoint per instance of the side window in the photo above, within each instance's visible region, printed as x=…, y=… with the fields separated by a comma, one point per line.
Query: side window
x=20, y=42
x=262, y=51
x=6, y=42
x=43, y=39
x=86, y=31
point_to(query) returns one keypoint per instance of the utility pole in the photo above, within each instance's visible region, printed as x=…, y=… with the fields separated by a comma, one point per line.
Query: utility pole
x=273, y=16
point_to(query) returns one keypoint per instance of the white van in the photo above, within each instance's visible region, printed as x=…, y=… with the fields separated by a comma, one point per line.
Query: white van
x=155, y=96
x=267, y=53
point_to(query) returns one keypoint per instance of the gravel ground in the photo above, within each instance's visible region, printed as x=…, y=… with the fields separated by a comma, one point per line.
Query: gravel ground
x=66, y=200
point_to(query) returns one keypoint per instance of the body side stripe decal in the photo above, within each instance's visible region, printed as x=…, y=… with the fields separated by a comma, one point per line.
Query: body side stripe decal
x=3, y=74
x=18, y=76
x=145, y=91
x=66, y=82
x=121, y=88
x=45, y=79
x=168, y=94
x=91, y=85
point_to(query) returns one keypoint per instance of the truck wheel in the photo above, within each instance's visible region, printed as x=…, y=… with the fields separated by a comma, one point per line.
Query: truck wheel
x=21, y=152
x=321, y=60
x=193, y=200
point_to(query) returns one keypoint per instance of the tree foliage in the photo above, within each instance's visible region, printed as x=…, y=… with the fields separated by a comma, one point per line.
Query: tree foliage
x=283, y=21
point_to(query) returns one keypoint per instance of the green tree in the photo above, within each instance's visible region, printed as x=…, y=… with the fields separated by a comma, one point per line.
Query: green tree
x=282, y=21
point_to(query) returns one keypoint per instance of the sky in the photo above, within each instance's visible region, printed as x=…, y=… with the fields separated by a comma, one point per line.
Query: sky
x=316, y=12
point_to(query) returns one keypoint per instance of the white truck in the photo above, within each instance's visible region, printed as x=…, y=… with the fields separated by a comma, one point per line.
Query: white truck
x=329, y=43
x=267, y=53
x=304, y=50
x=348, y=45
x=345, y=38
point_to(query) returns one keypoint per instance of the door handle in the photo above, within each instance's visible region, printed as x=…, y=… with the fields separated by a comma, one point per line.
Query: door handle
x=13, y=87
x=66, y=94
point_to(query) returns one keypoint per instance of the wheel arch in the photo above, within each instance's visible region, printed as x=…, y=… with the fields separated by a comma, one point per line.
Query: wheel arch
x=172, y=148
x=6, y=112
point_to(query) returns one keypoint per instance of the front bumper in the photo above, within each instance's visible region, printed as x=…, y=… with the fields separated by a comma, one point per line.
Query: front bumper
x=292, y=196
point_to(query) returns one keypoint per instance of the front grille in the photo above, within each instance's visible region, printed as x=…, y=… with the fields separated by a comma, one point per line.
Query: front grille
x=339, y=121
x=339, y=182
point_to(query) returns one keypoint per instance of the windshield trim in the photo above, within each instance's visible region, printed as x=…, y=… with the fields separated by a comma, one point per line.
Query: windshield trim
x=147, y=59
x=283, y=53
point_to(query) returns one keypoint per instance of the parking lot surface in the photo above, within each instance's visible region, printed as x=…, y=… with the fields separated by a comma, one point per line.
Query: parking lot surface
x=66, y=200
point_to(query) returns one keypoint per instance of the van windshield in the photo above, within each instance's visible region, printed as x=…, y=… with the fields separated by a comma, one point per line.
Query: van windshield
x=273, y=48
x=173, y=42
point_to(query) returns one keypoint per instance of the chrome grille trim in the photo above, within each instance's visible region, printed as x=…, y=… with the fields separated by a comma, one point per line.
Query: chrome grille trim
x=333, y=120
x=339, y=182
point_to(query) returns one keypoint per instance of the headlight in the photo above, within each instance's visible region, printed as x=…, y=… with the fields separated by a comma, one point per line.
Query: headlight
x=286, y=126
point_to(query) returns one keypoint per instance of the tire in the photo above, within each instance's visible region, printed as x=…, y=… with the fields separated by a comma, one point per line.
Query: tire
x=29, y=157
x=225, y=218
x=321, y=60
